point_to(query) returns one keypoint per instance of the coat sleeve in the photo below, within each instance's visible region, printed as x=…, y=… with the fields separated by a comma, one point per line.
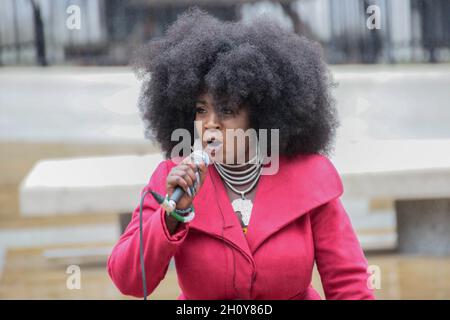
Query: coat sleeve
x=339, y=257
x=123, y=265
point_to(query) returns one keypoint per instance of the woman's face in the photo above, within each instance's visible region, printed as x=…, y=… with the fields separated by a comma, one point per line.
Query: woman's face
x=212, y=127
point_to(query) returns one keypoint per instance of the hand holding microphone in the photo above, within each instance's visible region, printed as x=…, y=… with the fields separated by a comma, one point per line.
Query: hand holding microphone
x=186, y=179
x=188, y=175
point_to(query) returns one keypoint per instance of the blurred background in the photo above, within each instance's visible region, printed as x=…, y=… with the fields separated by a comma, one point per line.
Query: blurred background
x=73, y=157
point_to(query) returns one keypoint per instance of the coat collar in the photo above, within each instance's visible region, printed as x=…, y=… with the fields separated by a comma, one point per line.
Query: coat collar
x=301, y=184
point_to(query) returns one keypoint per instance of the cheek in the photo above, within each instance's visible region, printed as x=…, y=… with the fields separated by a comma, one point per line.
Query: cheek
x=235, y=146
x=198, y=126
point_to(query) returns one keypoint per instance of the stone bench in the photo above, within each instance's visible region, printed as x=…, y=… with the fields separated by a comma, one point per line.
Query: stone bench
x=410, y=178
x=86, y=185
x=94, y=185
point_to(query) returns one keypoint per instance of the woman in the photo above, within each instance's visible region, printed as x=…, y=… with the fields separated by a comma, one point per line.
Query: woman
x=249, y=235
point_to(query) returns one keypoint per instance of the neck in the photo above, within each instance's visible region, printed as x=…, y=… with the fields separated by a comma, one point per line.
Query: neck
x=241, y=167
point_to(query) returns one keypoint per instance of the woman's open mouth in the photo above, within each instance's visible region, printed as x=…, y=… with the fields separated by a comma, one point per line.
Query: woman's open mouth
x=213, y=146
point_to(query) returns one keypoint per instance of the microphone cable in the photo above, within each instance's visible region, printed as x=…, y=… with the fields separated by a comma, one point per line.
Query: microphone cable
x=141, y=246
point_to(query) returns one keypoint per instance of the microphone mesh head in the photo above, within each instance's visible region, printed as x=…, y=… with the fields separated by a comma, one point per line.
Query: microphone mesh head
x=200, y=155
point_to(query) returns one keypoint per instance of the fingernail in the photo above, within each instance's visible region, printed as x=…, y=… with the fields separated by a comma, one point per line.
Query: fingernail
x=195, y=187
x=197, y=177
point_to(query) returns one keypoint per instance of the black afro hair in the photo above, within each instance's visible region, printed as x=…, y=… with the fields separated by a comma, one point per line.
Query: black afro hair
x=280, y=75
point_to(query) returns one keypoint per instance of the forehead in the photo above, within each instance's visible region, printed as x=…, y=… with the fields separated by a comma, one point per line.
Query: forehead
x=204, y=98
x=207, y=99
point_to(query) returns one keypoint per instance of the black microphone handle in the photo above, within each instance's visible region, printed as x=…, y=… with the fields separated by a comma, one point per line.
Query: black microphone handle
x=177, y=194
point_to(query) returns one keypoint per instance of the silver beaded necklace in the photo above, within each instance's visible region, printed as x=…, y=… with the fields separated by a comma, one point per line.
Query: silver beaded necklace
x=235, y=178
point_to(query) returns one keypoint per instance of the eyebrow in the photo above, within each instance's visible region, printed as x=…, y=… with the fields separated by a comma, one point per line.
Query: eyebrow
x=201, y=101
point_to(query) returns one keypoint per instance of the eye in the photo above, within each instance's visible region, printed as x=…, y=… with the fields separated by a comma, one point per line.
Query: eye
x=228, y=111
x=200, y=110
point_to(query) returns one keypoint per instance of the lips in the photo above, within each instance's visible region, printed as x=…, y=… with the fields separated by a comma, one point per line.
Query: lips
x=214, y=144
x=211, y=139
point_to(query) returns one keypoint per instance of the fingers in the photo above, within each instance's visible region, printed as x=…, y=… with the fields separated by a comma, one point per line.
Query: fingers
x=188, y=175
x=203, y=169
x=187, y=172
x=180, y=179
x=184, y=175
x=200, y=167
x=175, y=180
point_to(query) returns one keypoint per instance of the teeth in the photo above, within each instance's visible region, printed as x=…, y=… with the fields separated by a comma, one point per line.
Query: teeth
x=214, y=143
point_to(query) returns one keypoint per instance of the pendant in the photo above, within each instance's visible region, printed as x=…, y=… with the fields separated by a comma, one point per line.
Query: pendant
x=244, y=206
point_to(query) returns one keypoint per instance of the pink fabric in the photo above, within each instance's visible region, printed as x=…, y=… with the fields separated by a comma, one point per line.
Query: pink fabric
x=297, y=219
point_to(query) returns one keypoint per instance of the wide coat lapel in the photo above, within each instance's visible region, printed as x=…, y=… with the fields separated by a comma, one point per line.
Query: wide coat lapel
x=301, y=184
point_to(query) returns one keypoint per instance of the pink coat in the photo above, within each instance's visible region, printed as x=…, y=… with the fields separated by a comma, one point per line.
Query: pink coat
x=297, y=219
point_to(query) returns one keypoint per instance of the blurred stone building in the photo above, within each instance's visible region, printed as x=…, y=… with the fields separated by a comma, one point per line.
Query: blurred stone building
x=36, y=32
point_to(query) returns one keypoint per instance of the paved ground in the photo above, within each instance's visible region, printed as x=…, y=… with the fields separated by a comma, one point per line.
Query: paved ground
x=28, y=275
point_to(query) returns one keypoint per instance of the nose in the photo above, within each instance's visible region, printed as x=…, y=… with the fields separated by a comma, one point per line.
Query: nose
x=212, y=121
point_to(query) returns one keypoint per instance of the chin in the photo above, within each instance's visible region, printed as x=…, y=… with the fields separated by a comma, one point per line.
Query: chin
x=214, y=155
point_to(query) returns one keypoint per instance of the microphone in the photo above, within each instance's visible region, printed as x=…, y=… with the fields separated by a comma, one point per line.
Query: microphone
x=197, y=156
